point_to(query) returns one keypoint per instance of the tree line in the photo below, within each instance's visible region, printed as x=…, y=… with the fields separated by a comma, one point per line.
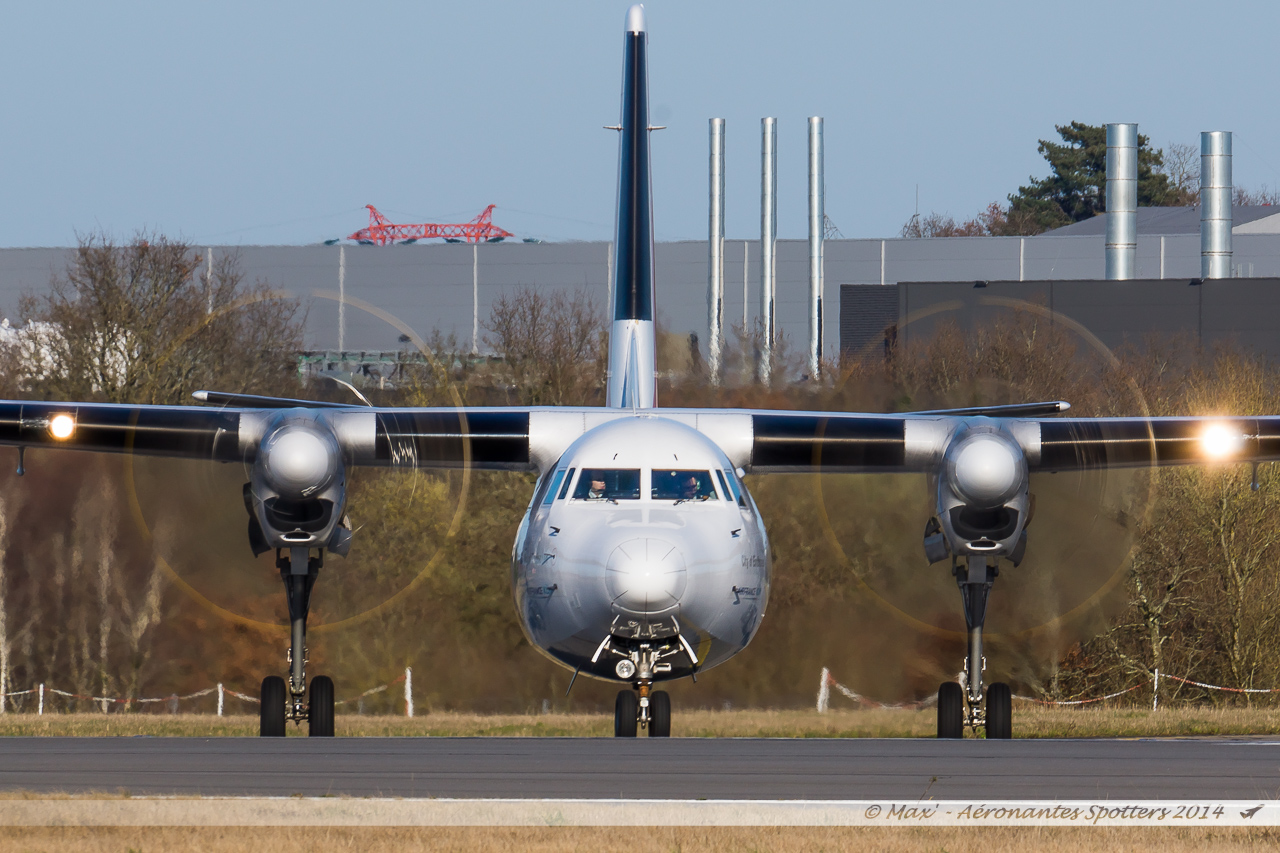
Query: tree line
x=133, y=577
x=1075, y=188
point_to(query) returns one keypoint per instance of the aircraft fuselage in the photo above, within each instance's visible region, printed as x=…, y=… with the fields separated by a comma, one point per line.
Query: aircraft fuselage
x=641, y=543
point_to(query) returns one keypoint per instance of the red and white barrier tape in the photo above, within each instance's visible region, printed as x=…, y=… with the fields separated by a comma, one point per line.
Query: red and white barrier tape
x=41, y=689
x=1077, y=701
x=1227, y=689
x=827, y=682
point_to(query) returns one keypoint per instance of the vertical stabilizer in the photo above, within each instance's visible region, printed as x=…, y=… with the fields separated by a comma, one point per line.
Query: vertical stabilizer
x=631, y=340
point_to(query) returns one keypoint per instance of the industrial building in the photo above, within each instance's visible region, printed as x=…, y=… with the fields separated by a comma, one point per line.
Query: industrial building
x=451, y=288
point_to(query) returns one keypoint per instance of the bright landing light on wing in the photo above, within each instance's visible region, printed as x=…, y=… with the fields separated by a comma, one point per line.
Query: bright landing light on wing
x=62, y=426
x=1220, y=441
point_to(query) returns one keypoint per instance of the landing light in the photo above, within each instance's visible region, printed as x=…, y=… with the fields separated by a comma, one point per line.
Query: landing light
x=62, y=426
x=1220, y=441
x=625, y=668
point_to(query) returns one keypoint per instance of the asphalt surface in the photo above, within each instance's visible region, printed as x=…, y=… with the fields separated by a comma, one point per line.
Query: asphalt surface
x=675, y=768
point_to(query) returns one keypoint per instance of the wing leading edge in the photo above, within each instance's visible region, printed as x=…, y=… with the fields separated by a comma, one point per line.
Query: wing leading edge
x=530, y=438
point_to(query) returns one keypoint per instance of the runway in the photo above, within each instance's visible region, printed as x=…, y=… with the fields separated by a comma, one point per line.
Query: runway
x=726, y=768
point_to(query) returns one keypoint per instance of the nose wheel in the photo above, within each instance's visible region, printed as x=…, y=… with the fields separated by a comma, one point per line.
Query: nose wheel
x=641, y=708
x=284, y=701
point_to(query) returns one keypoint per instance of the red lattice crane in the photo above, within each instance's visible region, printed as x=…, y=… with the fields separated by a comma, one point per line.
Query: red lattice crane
x=381, y=231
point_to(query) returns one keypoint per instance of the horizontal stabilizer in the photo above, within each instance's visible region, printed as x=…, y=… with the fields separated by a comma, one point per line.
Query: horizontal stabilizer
x=1013, y=410
x=221, y=398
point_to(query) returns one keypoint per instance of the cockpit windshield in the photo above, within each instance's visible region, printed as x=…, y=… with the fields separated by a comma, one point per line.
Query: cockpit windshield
x=608, y=484
x=683, y=486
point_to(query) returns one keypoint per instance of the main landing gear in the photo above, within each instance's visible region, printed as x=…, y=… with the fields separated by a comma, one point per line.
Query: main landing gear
x=961, y=704
x=642, y=708
x=283, y=702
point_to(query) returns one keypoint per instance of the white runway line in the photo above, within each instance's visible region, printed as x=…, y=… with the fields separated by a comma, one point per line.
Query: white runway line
x=331, y=811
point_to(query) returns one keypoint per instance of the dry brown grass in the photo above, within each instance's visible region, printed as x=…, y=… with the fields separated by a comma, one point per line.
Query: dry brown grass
x=657, y=839
x=1034, y=722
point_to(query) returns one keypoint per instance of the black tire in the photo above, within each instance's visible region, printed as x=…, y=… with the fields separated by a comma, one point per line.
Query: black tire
x=999, y=712
x=320, y=707
x=950, y=711
x=625, y=718
x=660, y=714
x=271, y=719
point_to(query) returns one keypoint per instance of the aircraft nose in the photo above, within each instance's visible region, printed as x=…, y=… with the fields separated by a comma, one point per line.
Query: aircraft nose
x=646, y=575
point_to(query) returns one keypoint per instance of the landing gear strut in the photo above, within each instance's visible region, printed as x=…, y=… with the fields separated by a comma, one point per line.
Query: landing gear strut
x=961, y=705
x=283, y=702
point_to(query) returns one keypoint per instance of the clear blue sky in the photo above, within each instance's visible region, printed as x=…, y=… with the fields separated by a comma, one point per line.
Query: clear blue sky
x=276, y=122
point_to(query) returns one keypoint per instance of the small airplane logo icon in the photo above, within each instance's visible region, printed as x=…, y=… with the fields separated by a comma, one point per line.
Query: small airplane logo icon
x=1251, y=812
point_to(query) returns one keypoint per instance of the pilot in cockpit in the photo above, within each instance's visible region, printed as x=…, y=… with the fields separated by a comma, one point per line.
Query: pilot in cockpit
x=689, y=488
x=597, y=490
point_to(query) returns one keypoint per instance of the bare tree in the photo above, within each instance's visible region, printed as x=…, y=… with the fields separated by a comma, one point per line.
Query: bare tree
x=553, y=347
x=134, y=323
x=1262, y=197
x=1182, y=167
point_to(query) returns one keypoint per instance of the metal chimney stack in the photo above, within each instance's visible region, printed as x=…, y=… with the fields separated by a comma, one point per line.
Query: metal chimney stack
x=1122, y=201
x=768, y=240
x=715, y=235
x=817, y=203
x=1215, y=204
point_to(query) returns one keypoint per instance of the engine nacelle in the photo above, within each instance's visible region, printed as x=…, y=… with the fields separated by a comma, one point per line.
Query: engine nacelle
x=983, y=498
x=297, y=493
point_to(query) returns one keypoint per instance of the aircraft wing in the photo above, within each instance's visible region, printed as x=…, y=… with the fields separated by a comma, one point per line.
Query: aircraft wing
x=841, y=442
x=531, y=438
x=484, y=438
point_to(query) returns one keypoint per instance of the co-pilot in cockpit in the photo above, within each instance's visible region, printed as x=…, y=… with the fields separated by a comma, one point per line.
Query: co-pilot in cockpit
x=680, y=486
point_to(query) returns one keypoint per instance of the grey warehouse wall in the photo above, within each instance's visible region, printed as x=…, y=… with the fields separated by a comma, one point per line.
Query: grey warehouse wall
x=429, y=286
x=1245, y=311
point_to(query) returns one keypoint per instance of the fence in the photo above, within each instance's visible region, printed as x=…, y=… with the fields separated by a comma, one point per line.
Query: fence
x=827, y=682
x=105, y=702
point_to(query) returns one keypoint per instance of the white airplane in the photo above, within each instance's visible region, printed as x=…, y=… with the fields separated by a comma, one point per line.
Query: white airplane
x=642, y=557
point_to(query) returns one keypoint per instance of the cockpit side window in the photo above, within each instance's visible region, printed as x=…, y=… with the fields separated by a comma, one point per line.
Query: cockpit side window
x=555, y=487
x=737, y=489
x=683, y=486
x=724, y=487
x=544, y=486
x=568, y=481
x=608, y=484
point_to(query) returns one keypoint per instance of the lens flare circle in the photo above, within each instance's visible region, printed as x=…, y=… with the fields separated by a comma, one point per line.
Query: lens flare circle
x=1090, y=601
x=135, y=503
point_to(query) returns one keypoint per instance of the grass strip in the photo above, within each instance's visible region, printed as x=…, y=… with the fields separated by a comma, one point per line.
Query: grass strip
x=1028, y=723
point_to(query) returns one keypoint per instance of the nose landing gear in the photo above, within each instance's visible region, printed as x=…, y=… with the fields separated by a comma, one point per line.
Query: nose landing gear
x=961, y=704
x=283, y=702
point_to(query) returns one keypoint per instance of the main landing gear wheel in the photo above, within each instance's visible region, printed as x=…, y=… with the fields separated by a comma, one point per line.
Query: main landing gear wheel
x=999, y=712
x=950, y=711
x=320, y=707
x=660, y=714
x=626, y=714
x=271, y=721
